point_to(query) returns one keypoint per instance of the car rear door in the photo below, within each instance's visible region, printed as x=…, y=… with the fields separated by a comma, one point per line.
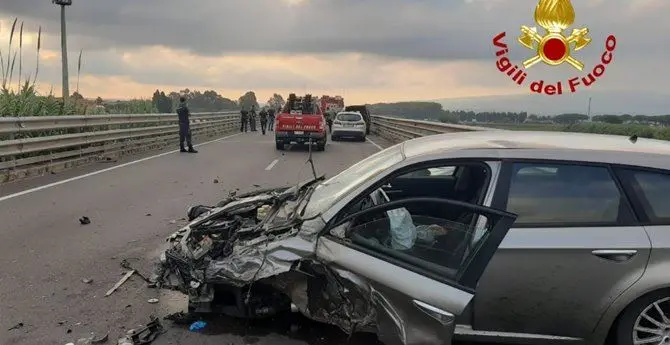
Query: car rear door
x=417, y=289
x=575, y=247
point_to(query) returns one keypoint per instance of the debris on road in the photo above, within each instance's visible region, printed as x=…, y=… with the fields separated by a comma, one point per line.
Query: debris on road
x=153, y=300
x=197, y=326
x=84, y=220
x=125, y=264
x=101, y=340
x=120, y=282
x=216, y=180
x=125, y=340
x=148, y=215
x=87, y=280
x=145, y=335
x=181, y=318
x=17, y=326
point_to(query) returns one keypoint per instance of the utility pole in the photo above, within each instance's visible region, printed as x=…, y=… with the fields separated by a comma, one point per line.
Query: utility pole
x=588, y=111
x=63, y=43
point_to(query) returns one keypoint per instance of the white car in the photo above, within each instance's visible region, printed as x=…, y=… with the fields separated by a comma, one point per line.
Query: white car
x=348, y=124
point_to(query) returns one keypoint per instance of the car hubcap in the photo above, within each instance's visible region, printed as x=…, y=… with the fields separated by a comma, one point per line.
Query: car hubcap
x=653, y=324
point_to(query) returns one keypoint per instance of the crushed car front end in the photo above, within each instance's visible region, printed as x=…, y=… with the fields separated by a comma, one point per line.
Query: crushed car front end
x=253, y=256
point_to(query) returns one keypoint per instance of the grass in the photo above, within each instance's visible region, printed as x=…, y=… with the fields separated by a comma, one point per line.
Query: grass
x=19, y=95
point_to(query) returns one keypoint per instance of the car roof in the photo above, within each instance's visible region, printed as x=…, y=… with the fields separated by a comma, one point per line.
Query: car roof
x=349, y=113
x=547, y=145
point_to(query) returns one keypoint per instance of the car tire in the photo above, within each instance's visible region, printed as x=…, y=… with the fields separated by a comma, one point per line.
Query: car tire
x=633, y=314
x=334, y=138
x=362, y=138
x=321, y=147
x=280, y=146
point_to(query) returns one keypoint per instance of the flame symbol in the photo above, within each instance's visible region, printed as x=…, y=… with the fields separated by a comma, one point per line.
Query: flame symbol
x=554, y=15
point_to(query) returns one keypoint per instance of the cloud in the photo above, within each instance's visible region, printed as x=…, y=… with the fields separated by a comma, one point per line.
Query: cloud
x=371, y=50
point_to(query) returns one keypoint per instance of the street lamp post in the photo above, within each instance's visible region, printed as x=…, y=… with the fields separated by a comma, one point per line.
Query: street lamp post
x=63, y=43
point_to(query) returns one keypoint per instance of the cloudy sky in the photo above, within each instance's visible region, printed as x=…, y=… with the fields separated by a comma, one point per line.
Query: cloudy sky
x=365, y=50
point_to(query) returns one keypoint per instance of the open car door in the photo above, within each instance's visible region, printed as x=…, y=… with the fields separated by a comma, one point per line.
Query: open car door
x=421, y=271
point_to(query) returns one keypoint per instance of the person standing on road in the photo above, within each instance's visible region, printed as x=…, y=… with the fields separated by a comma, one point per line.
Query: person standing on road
x=252, y=118
x=184, y=127
x=243, y=120
x=271, y=119
x=263, y=116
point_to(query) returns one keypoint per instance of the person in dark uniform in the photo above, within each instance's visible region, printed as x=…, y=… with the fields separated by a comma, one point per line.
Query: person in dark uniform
x=263, y=116
x=329, y=120
x=252, y=118
x=243, y=120
x=271, y=118
x=184, y=127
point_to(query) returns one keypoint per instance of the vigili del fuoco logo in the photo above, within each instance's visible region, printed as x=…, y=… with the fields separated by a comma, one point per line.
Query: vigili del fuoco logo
x=554, y=49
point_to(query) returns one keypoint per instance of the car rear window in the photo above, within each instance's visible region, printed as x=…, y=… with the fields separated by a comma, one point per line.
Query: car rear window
x=349, y=117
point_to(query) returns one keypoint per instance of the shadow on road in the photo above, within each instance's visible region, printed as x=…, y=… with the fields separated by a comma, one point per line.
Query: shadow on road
x=291, y=325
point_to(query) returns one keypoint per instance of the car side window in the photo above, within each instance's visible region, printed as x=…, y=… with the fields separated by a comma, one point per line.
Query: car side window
x=563, y=194
x=654, y=191
x=412, y=233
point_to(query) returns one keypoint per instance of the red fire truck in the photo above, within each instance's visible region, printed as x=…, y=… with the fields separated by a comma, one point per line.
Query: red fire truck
x=301, y=121
x=331, y=104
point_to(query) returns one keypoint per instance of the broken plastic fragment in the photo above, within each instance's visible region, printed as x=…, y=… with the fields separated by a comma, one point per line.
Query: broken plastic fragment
x=196, y=326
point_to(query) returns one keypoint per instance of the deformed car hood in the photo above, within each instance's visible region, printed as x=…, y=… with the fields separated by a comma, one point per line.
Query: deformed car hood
x=234, y=243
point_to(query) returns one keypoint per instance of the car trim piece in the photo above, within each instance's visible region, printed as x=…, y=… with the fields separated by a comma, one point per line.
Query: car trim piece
x=443, y=317
x=465, y=332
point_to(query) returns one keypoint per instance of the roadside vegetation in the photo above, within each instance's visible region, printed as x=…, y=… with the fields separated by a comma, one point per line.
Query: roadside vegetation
x=644, y=126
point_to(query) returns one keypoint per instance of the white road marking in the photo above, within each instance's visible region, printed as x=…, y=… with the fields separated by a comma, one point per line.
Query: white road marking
x=272, y=165
x=374, y=143
x=57, y=183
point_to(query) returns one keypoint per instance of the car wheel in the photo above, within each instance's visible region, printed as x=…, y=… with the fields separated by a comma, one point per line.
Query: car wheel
x=321, y=147
x=334, y=138
x=280, y=146
x=646, y=321
x=362, y=138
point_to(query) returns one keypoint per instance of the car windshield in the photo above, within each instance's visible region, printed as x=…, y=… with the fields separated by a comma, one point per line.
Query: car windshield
x=332, y=190
x=349, y=117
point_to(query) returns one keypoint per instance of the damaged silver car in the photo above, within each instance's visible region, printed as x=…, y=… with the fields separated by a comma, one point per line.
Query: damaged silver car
x=348, y=251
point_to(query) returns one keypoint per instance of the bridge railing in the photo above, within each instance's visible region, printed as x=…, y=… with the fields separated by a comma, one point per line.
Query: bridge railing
x=397, y=130
x=35, y=145
x=38, y=144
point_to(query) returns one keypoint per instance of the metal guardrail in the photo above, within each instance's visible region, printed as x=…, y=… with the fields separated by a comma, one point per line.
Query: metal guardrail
x=403, y=129
x=38, y=144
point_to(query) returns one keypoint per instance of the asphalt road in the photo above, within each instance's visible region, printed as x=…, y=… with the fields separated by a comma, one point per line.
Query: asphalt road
x=46, y=254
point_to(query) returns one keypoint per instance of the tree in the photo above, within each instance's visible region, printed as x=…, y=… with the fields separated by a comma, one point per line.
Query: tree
x=98, y=101
x=276, y=101
x=77, y=96
x=248, y=100
x=161, y=102
x=208, y=101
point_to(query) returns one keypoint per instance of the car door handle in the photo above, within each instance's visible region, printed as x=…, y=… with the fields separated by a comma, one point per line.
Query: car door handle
x=618, y=255
x=443, y=317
